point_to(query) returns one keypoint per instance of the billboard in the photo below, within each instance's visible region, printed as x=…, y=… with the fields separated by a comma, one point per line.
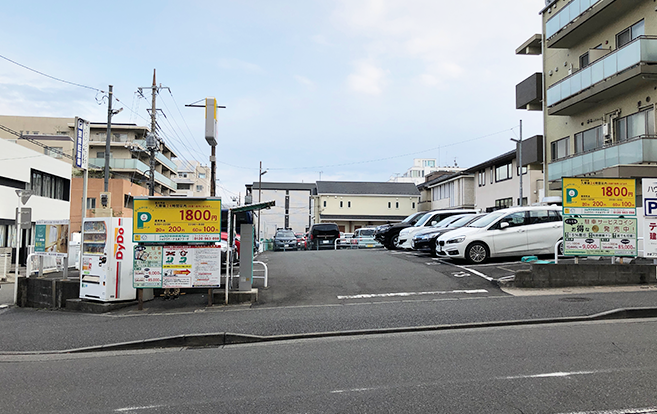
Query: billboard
x=184, y=220
x=177, y=266
x=51, y=238
x=600, y=236
x=599, y=196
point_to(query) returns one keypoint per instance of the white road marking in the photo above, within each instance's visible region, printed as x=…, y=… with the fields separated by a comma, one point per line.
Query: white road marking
x=649, y=410
x=467, y=269
x=460, y=274
x=352, y=390
x=146, y=407
x=551, y=375
x=390, y=295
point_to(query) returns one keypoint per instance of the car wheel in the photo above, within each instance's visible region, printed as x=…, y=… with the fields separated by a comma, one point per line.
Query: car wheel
x=394, y=242
x=561, y=248
x=477, y=253
x=434, y=249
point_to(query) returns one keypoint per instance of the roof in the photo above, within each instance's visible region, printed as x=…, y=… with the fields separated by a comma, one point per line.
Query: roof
x=360, y=217
x=283, y=186
x=443, y=178
x=504, y=158
x=367, y=188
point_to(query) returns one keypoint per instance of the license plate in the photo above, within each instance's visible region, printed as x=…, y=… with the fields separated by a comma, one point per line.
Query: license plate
x=287, y=245
x=325, y=241
x=370, y=245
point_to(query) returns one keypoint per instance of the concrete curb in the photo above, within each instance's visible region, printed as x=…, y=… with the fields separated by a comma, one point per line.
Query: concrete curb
x=226, y=338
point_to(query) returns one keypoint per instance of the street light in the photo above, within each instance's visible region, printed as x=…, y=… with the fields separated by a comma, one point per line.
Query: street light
x=260, y=195
x=519, y=153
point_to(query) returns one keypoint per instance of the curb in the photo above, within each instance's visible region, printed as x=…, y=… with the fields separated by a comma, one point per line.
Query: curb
x=226, y=338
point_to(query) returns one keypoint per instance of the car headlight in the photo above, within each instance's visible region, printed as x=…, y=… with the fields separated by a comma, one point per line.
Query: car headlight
x=456, y=240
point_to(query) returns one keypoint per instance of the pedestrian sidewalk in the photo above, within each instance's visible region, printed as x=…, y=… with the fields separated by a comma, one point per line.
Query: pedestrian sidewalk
x=6, y=294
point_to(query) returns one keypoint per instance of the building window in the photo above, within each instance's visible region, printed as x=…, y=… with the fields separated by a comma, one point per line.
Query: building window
x=182, y=175
x=504, y=202
x=183, y=186
x=51, y=186
x=91, y=203
x=55, y=152
x=128, y=201
x=341, y=204
x=629, y=34
x=201, y=175
x=397, y=204
x=560, y=148
x=482, y=178
x=389, y=204
x=199, y=188
x=504, y=172
x=492, y=174
x=101, y=154
x=635, y=125
x=584, y=60
x=413, y=204
x=524, y=201
x=324, y=203
x=589, y=140
x=524, y=171
x=348, y=204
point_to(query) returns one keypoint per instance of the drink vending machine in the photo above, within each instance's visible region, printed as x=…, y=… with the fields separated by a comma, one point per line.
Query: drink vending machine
x=107, y=253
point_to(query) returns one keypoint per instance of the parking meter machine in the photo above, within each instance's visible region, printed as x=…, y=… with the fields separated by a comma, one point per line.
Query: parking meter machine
x=107, y=250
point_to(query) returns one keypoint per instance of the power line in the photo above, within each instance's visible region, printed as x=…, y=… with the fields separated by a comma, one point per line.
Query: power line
x=49, y=76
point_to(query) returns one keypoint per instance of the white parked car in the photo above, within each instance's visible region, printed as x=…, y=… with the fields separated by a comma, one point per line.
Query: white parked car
x=431, y=219
x=514, y=231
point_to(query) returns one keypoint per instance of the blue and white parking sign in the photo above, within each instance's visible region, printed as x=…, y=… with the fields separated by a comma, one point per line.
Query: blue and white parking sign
x=649, y=186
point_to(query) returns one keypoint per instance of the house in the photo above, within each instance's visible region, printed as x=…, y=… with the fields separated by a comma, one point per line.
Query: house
x=353, y=205
x=422, y=168
x=192, y=179
x=448, y=191
x=50, y=180
x=129, y=161
x=497, y=181
x=597, y=89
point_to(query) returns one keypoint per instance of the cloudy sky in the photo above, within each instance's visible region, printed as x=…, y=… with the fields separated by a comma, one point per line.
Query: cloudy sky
x=342, y=89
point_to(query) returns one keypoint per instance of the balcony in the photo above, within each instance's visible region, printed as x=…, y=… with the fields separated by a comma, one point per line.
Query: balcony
x=131, y=164
x=529, y=93
x=166, y=162
x=639, y=150
x=579, y=19
x=623, y=70
x=165, y=181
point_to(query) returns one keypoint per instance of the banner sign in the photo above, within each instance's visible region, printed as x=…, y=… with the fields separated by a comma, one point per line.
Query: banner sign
x=599, y=196
x=600, y=236
x=51, y=238
x=184, y=220
x=177, y=266
x=147, y=266
x=81, y=143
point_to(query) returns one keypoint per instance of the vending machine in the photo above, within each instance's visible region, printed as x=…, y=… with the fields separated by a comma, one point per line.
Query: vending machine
x=107, y=253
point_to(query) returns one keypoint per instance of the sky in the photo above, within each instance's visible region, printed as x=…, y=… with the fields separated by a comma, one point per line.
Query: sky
x=345, y=90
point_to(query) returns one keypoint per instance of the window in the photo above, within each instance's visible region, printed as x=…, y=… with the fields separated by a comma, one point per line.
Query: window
x=629, y=34
x=199, y=188
x=348, y=204
x=128, y=201
x=182, y=175
x=101, y=154
x=324, y=203
x=560, y=148
x=389, y=204
x=504, y=202
x=524, y=201
x=514, y=219
x=201, y=175
x=492, y=174
x=183, y=186
x=635, y=125
x=504, y=172
x=584, y=60
x=55, y=152
x=91, y=203
x=51, y=186
x=413, y=204
x=341, y=204
x=397, y=204
x=589, y=140
x=482, y=178
x=524, y=171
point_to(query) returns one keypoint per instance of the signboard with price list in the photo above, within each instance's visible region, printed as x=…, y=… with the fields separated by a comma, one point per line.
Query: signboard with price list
x=184, y=220
x=600, y=236
x=599, y=196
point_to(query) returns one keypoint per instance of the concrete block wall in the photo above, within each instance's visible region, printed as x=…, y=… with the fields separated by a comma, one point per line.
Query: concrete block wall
x=568, y=275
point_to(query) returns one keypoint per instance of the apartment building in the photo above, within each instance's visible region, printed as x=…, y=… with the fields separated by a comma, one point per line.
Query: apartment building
x=421, y=169
x=192, y=179
x=129, y=160
x=447, y=191
x=597, y=90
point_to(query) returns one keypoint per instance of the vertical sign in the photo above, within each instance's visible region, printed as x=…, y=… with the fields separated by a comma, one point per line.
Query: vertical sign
x=649, y=186
x=81, y=143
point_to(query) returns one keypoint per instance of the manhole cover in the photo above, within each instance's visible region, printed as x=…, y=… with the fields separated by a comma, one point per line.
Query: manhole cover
x=575, y=299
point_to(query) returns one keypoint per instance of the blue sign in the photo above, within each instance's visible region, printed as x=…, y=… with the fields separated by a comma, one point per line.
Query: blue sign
x=650, y=207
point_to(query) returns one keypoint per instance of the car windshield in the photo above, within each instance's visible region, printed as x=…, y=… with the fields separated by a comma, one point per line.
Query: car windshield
x=446, y=221
x=285, y=233
x=423, y=220
x=412, y=218
x=462, y=221
x=487, y=219
x=368, y=232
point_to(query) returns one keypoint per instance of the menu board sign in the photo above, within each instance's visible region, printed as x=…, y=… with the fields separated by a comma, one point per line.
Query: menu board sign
x=600, y=236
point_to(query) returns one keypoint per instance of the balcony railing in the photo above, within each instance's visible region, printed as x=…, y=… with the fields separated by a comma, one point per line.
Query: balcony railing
x=566, y=15
x=121, y=164
x=637, y=150
x=164, y=160
x=642, y=49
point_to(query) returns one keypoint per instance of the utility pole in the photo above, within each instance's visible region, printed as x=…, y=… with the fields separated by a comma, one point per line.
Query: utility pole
x=108, y=140
x=519, y=156
x=152, y=143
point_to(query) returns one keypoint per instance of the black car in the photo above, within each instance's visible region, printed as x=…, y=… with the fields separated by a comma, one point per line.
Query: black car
x=426, y=240
x=323, y=235
x=388, y=235
x=285, y=240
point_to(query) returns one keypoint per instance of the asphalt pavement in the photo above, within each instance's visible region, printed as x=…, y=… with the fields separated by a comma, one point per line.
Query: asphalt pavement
x=320, y=292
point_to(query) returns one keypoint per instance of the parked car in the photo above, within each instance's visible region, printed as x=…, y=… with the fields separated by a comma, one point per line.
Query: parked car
x=388, y=235
x=344, y=242
x=364, y=238
x=432, y=218
x=285, y=240
x=323, y=235
x=425, y=240
x=514, y=231
x=302, y=243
